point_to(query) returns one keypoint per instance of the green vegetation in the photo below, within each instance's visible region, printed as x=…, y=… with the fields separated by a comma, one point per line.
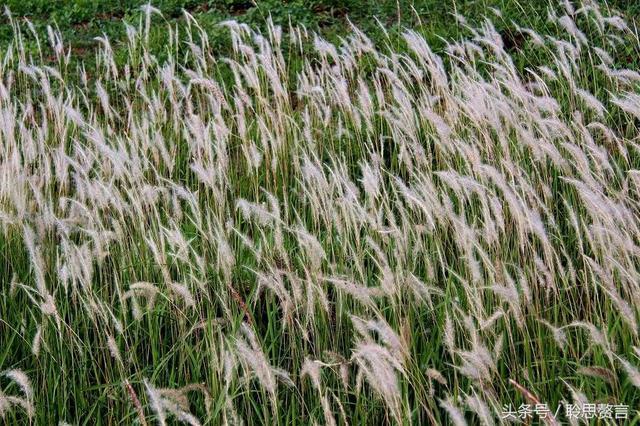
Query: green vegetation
x=81, y=21
x=417, y=223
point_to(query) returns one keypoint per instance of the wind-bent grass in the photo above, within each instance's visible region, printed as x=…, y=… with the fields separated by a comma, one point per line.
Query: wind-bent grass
x=349, y=234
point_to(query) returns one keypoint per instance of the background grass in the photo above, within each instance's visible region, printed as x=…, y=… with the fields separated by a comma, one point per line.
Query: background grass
x=82, y=20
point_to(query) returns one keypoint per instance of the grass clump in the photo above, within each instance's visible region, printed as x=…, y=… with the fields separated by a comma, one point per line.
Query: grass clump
x=361, y=232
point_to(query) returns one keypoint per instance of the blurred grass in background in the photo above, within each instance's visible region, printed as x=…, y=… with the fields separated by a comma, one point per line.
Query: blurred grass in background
x=82, y=20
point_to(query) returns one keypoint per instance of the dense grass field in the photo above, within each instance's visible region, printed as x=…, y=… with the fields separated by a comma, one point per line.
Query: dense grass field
x=296, y=213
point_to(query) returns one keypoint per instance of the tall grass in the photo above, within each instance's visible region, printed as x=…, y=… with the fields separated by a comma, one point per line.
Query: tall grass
x=308, y=232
